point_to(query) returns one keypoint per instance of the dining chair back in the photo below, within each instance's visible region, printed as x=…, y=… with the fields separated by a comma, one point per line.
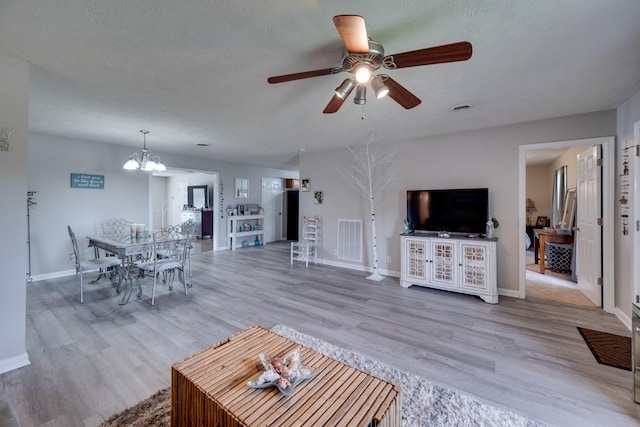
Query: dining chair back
x=103, y=265
x=188, y=228
x=170, y=250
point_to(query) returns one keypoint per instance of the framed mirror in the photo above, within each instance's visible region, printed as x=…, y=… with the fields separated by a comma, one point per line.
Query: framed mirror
x=569, y=212
x=242, y=188
x=197, y=196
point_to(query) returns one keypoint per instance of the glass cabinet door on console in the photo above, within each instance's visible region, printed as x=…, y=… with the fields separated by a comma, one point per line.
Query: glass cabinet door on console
x=416, y=259
x=443, y=266
x=474, y=262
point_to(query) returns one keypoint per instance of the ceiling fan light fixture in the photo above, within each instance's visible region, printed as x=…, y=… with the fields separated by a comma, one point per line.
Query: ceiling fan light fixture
x=345, y=88
x=379, y=88
x=361, y=95
x=363, y=74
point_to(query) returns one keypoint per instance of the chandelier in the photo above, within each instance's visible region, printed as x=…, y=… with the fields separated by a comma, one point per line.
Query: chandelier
x=144, y=161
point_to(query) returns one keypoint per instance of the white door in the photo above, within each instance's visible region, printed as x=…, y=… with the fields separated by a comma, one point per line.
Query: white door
x=272, y=203
x=589, y=231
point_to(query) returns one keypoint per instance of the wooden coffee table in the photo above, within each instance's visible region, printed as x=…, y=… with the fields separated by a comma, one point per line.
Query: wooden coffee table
x=210, y=388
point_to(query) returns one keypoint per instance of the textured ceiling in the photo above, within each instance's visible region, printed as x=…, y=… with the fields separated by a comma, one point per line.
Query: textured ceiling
x=195, y=71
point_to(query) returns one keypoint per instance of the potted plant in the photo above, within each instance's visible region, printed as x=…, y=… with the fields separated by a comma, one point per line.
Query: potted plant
x=492, y=224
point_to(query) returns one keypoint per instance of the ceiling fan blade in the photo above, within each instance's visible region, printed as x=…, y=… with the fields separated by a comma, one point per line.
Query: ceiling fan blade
x=352, y=32
x=333, y=105
x=402, y=96
x=434, y=55
x=304, y=75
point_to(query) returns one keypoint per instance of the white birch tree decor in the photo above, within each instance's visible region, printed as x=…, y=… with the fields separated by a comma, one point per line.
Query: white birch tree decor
x=162, y=210
x=370, y=170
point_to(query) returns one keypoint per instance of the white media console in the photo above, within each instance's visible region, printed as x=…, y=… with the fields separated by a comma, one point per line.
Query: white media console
x=457, y=264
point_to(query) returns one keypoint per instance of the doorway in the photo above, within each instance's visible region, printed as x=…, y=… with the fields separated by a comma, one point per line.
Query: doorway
x=170, y=194
x=608, y=165
x=273, y=204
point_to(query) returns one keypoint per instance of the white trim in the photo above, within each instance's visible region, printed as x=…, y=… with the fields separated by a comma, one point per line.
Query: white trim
x=509, y=292
x=626, y=320
x=54, y=275
x=16, y=362
x=635, y=279
x=608, y=205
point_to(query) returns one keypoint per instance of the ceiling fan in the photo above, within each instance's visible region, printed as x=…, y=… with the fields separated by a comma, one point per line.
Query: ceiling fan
x=363, y=57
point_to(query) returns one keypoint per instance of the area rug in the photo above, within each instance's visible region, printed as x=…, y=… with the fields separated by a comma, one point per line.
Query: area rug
x=423, y=403
x=608, y=349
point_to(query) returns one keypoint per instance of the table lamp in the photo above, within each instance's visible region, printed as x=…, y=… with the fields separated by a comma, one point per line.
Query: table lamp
x=530, y=207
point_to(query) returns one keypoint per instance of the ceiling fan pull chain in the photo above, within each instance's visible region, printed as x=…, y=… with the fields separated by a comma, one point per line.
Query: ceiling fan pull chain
x=362, y=117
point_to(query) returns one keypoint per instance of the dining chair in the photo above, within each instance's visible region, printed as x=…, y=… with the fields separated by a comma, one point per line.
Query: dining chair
x=188, y=228
x=95, y=264
x=170, y=249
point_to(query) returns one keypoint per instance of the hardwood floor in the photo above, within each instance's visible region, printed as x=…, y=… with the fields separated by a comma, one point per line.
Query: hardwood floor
x=89, y=361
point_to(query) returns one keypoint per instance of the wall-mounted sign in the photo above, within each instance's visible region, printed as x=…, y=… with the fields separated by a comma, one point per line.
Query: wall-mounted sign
x=85, y=180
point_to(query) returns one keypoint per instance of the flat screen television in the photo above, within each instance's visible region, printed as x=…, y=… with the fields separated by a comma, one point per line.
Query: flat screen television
x=455, y=210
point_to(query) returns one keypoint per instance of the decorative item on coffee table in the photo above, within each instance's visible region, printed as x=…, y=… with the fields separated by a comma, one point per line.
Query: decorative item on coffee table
x=283, y=372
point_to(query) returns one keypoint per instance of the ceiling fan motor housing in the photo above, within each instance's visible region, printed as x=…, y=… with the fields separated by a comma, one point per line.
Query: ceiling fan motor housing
x=373, y=59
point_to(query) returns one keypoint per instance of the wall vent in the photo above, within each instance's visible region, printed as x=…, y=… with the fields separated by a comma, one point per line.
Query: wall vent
x=350, y=240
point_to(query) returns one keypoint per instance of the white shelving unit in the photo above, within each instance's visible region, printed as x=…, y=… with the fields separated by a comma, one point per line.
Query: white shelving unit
x=236, y=230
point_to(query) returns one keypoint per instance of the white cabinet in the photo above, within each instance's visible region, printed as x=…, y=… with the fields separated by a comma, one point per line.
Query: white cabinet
x=196, y=216
x=245, y=228
x=455, y=264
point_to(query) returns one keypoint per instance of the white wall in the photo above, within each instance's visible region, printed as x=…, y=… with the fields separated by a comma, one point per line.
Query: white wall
x=539, y=186
x=13, y=220
x=480, y=158
x=628, y=115
x=125, y=195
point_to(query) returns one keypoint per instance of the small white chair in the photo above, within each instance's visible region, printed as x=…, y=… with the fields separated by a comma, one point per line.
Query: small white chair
x=95, y=264
x=307, y=248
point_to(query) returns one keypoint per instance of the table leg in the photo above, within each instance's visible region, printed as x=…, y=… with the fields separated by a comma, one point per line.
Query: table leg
x=128, y=282
x=541, y=245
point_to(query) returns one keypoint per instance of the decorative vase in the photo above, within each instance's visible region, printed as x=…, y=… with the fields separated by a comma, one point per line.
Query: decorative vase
x=257, y=241
x=489, y=230
x=489, y=233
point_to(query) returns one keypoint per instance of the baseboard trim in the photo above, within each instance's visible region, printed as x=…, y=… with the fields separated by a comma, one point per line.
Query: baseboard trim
x=509, y=293
x=16, y=362
x=54, y=275
x=623, y=317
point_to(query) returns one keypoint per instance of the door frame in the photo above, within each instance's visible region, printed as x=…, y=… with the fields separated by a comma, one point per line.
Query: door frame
x=634, y=226
x=608, y=206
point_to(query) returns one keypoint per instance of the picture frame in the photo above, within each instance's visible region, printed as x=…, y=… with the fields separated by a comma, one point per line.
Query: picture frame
x=542, y=221
x=318, y=197
x=305, y=185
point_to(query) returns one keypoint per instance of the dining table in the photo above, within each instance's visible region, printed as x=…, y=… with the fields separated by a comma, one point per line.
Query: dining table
x=129, y=250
